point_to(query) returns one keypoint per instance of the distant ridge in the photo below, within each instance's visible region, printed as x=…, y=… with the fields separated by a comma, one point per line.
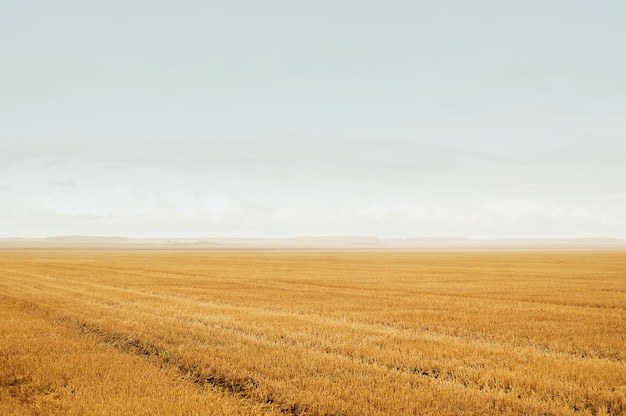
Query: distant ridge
x=348, y=240
x=87, y=239
x=311, y=242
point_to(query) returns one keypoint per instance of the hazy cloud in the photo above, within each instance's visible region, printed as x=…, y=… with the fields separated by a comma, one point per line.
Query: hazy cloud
x=62, y=184
x=284, y=118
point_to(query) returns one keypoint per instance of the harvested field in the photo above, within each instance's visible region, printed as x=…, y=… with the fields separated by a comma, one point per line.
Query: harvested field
x=312, y=332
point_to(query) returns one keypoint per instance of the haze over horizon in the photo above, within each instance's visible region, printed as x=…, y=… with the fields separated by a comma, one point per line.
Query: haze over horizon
x=393, y=119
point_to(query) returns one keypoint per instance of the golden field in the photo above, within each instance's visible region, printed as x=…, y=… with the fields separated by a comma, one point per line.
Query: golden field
x=312, y=332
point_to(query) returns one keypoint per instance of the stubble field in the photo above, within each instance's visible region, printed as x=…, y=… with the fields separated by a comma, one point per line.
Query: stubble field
x=315, y=333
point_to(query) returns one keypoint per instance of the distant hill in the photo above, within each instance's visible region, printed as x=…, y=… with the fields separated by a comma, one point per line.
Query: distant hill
x=86, y=239
x=337, y=241
x=312, y=242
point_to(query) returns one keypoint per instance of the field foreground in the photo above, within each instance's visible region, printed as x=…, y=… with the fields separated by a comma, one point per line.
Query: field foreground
x=312, y=333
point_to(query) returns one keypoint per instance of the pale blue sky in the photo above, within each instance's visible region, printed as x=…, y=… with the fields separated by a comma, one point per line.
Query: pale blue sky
x=479, y=119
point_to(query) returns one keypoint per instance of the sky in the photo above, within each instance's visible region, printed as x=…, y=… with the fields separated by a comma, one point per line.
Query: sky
x=396, y=119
